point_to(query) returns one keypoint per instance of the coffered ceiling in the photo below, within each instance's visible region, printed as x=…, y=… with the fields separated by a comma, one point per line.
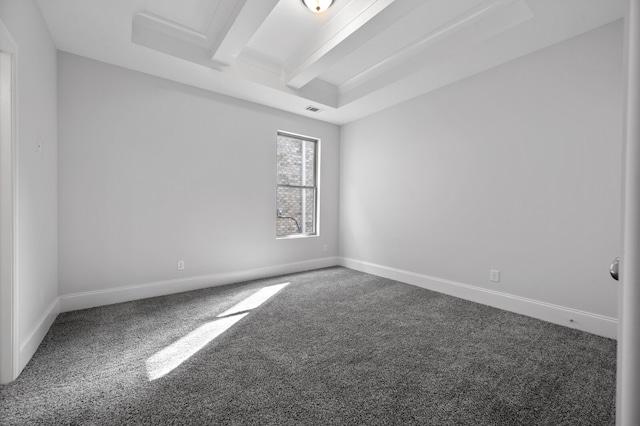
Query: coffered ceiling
x=357, y=58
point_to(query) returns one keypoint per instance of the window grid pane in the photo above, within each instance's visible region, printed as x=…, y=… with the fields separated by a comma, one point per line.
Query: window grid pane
x=296, y=204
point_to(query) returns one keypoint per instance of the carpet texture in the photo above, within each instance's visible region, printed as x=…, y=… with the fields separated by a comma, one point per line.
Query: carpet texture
x=333, y=347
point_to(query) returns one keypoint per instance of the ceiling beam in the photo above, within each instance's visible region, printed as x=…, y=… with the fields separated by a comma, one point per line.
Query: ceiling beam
x=352, y=27
x=489, y=19
x=239, y=29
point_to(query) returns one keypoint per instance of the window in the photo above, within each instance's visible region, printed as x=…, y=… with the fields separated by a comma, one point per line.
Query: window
x=297, y=191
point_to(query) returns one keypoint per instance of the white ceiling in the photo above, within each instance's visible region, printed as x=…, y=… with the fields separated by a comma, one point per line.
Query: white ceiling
x=359, y=57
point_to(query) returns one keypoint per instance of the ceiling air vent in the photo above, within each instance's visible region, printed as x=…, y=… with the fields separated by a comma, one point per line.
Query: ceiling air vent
x=313, y=109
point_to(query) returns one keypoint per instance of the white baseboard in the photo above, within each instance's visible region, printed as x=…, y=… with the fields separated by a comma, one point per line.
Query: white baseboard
x=91, y=299
x=30, y=344
x=585, y=321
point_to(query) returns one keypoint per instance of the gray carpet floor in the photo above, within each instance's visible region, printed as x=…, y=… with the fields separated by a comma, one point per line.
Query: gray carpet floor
x=334, y=347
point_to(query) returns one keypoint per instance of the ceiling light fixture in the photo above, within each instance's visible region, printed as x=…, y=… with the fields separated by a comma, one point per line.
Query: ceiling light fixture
x=317, y=6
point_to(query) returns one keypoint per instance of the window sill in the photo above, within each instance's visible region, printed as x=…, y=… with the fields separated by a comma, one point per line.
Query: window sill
x=296, y=236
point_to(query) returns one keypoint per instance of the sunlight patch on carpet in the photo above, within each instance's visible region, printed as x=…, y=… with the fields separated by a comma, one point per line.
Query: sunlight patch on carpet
x=253, y=301
x=169, y=358
x=179, y=351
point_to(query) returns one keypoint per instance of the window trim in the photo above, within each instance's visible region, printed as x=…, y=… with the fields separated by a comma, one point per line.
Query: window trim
x=316, y=172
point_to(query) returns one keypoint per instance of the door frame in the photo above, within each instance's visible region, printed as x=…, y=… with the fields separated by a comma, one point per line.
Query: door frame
x=9, y=343
x=628, y=374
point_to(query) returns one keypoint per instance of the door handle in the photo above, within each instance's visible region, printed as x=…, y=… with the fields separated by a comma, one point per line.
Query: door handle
x=613, y=269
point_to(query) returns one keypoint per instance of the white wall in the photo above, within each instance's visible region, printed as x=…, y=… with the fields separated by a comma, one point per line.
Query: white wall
x=152, y=172
x=516, y=169
x=37, y=268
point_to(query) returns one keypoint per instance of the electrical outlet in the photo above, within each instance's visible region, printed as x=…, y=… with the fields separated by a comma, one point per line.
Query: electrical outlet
x=494, y=276
x=325, y=248
x=180, y=265
x=279, y=213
